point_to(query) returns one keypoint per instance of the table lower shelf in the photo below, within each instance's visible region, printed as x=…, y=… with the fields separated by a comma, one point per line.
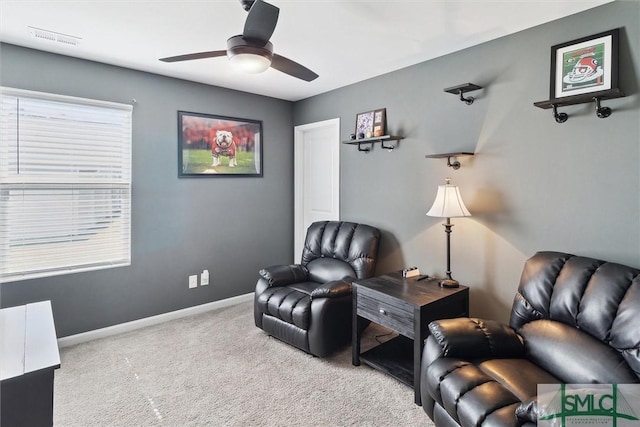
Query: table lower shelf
x=394, y=357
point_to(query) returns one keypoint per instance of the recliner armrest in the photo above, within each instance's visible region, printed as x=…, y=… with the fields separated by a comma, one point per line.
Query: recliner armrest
x=283, y=275
x=334, y=289
x=476, y=338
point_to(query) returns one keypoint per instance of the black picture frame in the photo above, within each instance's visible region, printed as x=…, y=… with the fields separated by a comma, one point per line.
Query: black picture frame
x=379, y=122
x=585, y=65
x=218, y=146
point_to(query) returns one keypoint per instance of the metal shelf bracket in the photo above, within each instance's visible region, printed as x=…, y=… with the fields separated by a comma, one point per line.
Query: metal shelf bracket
x=461, y=89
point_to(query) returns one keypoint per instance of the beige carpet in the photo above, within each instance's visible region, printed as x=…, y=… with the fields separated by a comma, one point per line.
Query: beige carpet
x=218, y=369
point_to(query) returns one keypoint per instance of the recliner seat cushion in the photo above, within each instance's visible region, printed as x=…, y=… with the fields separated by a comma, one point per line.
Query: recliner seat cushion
x=519, y=376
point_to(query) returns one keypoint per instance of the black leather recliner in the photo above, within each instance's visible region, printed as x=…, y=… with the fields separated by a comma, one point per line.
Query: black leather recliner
x=309, y=305
x=574, y=320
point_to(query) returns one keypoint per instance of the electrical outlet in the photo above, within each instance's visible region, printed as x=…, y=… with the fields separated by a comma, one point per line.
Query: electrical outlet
x=204, y=278
x=193, y=281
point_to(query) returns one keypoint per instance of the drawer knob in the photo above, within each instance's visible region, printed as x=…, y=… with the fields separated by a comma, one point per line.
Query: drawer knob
x=382, y=311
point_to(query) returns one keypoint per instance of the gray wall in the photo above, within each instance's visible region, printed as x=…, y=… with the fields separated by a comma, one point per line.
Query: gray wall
x=180, y=226
x=532, y=185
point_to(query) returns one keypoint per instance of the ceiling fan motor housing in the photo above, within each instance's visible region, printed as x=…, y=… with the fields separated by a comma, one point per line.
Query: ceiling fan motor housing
x=237, y=45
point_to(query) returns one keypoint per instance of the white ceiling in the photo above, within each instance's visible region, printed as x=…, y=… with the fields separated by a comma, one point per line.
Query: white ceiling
x=343, y=41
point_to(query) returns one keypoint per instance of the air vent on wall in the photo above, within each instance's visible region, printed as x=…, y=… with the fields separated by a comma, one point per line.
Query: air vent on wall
x=52, y=36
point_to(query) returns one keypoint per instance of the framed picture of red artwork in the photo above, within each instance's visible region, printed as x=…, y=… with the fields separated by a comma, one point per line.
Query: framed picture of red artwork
x=218, y=146
x=585, y=65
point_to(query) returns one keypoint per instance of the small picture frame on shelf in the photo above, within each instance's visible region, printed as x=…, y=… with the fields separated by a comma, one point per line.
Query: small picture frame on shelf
x=585, y=65
x=364, y=125
x=379, y=122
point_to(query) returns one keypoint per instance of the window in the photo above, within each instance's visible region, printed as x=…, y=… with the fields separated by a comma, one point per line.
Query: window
x=65, y=184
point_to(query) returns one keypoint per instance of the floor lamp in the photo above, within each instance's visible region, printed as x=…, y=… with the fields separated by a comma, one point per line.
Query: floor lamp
x=448, y=204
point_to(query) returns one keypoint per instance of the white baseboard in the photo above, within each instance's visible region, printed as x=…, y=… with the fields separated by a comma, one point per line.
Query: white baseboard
x=149, y=321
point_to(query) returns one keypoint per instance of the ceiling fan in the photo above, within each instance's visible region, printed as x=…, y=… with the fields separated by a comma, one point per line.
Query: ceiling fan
x=252, y=51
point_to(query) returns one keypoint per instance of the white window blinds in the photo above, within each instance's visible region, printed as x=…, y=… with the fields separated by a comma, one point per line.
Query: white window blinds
x=65, y=184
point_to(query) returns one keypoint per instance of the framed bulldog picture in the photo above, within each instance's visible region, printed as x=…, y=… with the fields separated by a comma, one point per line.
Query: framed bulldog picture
x=585, y=65
x=218, y=146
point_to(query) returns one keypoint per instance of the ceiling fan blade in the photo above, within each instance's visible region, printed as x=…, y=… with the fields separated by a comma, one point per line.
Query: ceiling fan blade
x=292, y=68
x=190, y=56
x=261, y=21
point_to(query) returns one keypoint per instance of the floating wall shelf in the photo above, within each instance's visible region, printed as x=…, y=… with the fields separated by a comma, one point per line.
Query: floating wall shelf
x=370, y=141
x=461, y=89
x=595, y=97
x=455, y=164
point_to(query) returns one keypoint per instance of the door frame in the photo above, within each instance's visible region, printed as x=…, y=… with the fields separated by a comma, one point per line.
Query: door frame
x=298, y=201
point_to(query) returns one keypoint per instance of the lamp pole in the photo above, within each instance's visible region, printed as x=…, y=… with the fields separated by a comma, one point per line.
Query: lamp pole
x=447, y=229
x=449, y=282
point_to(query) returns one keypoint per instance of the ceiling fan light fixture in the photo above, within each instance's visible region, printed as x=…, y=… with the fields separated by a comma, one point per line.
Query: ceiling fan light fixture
x=250, y=56
x=250, y=62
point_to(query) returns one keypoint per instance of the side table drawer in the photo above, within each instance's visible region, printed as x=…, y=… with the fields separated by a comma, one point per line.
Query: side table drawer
x=398, y=317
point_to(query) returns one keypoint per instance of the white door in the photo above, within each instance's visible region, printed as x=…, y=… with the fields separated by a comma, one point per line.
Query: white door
x=317, y=177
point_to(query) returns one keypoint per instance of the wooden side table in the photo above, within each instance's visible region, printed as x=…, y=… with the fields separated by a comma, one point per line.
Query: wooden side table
x=406, y=306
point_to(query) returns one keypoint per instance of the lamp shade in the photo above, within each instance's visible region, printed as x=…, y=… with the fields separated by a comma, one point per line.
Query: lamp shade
x=448, y=203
